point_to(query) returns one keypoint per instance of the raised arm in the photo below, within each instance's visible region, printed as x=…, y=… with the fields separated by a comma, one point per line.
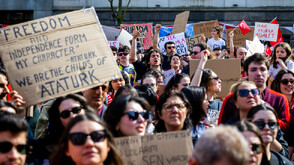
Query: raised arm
x=199, y=70
x=133, y=57
x=231, y=35
x=156, y=36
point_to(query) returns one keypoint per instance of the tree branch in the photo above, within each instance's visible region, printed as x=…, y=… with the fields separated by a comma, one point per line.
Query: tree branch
x=112, y=8
x=126, y=8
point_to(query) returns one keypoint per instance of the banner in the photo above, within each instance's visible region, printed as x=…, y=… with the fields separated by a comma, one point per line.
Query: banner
x=204, y=27
x=191, y=41
x=54, y=56
x=146, y=36
x=110, y=33
x=162, y=148
x=178, y=39
x=114, y=43
x=239, y=38
x=254, y=47
x=266, y=31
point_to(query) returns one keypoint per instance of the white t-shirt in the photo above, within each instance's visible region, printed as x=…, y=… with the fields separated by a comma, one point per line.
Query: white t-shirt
x=212, y=43
x=274, y=71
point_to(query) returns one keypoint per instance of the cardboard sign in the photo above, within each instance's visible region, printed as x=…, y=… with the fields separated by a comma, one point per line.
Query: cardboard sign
x=57, y=55
x=180, y=22
x=228, y=70
x=178, y=39
x=124, y=38
x=191, y=41
x=162, y=148
x=204, y=27
x=114, y=43
x=168, y=75
x=266, y=31
x=110, y=33
x=146, y=36
x=254, y=47
x=239, y=38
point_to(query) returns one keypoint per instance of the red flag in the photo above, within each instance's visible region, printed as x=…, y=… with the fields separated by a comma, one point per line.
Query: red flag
x=268, y=51
x=244, y=27
x=280, y=37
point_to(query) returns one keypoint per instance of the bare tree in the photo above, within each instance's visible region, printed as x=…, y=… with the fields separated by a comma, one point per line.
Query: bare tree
x=119, y=14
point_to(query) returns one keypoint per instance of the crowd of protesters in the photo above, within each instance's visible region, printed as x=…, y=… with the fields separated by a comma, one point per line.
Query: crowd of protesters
x=256, y=118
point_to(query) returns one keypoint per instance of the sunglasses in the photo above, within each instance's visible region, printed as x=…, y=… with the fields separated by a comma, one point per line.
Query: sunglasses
x=104, y=88
x=169, y=107
x=285, y=81
x=169, y=47
x=245, y=92
x=261, y=124
x=123, y=54
x=80, y=138
x=195, y=52
x=256, y=148
x=7, y=146
x=66, y=113
x=216, y=78
x=133, y=115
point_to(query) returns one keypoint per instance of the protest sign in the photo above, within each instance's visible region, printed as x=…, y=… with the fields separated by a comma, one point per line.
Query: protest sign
x=162, y=148
x=228, y=70
x=146, y=36
x=178, y=39
x=110, y=32
x=57, y=55
x=239, y=38
x=254, y=47
x=124, y=38
x=204, y=27
x=266, y=31
x=168, y=75
x=180, y=22
x=114, y=43
x=191, y=41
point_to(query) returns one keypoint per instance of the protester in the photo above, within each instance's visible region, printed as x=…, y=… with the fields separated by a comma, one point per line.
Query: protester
x=13, y=139
x=171, y=111
x=178, y=82
x=223, y=145
x=8, y=106
x=126, y=90
x=175, y=63
x=76, y=148
x=114, y=52
x=115, y=84
x=256, y=68
x=216, y=40
x=127, y=116
x=150, y=80
x=169, y=49
x=254, y=139
x=124, y=63
x=266, y=119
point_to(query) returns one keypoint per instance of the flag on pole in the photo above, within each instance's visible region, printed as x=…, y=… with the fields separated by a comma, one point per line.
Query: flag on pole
x=244, y=27
x=280, y=37
x=268, y=51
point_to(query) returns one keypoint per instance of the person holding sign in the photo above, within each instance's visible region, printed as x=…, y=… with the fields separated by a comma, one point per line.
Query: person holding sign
x=87, y=140
x=216, y=41
x=127, y=116
x=171, y=111
x=279, y=60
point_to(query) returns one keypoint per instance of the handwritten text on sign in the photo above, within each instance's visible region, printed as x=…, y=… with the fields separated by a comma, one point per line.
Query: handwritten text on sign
x=162, y=148
x=71, y=58
x=266, y=31
x=178, y=39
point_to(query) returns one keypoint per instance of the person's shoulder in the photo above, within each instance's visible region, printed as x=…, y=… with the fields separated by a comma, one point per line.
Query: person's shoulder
x=282, y=159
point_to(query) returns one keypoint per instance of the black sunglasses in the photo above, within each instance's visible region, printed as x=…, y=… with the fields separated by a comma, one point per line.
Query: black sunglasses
x=195, y=52
x=80, y=138
x=261, y=124
x=216, y=78
x=104, y=88
x=285, y=81
x=7, y=146
x=256, y=148
x=66, y=113
x=169, y=47
x=245, y=92
x=123, y=54
x=133, y=115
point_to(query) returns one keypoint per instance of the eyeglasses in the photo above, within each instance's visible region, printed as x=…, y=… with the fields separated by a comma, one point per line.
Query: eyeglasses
x=123, y=54
x=66, y=113
x=7, y=146
x=245, y=92
x=261, y=124
x=133, y=115
x=80, y=138
x=216, y=78
x=170, y=47
x=285, y=81
x=256, y=148
x=169, y=107
x=104, y=88
x=195, y=52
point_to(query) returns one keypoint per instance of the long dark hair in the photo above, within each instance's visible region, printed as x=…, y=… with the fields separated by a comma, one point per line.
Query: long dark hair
x=117, y=108
x=160, y=127
x=276, y=83
x=59, y=158
x=195, y=96
x=261, y=107
x=174, y=81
